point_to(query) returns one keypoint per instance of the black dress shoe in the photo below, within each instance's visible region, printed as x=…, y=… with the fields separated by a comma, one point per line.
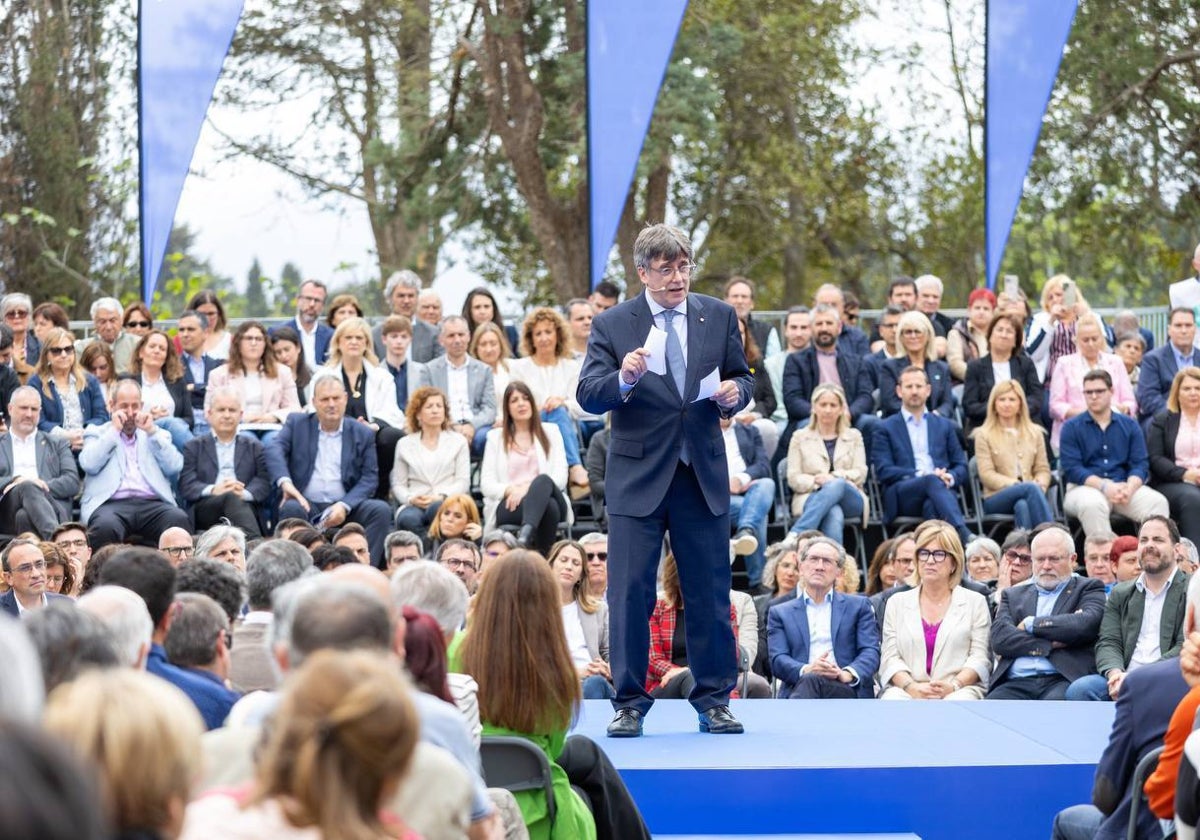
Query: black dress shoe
x=627, y=723
x=719, y=721
x=525, y=536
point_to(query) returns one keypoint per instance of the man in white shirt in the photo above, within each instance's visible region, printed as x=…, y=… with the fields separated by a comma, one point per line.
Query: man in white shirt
x=466, y=382
x=579, y=319
x=1186, y=293
x=38, y=476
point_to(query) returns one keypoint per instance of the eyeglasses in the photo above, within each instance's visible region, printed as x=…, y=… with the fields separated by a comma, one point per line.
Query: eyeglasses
x=61, y=351
x=137, y=324
x=1094, y=392
x=912, y=332
x=1053, y=558
x=79, y=543
x=666, y=272
x=936, y=556
x=254, y=339
x=26, y=568
x=16, y=314
x=456, y=563
x=180, y=550
x=597, y=555
x=1018, y=559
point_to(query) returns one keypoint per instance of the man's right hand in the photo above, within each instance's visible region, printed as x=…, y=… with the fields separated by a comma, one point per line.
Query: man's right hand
x=634, y=366
x=290, y=491
x=1115, y=678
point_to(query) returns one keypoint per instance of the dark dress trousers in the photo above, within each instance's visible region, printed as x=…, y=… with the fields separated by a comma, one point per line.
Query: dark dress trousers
x=200, y=467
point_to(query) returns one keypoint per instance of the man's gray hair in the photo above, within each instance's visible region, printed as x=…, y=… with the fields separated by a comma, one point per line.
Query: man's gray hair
x=22, y=692
x=406, y=278
x=325, y=376
x=15, y=299
x=1098, y=538
x=822, y=308
x=929, y=281
x=192, y=640
x=433, y=589
x=402, y=538
x=273, y=564
x=457, y=541
x=68, y=642
x=216, y=535
x=314, y=614
x=226, y=391
x=1190, y=548
x=24, y=389
x=125, y=615
x=841, y=552
x=661, y=242
x=452, y=319
x=109, y=304
x=1065, y=541
x=592, y=537
x=828, y=287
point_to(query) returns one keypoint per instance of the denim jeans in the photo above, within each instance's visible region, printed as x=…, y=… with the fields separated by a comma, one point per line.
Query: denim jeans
x=1091, y=687
x=829, y=507
x=1025, y=501
x=595, y=687
x=750, y=510
x=1079, y=822
x=562, y=418
x=178, y=427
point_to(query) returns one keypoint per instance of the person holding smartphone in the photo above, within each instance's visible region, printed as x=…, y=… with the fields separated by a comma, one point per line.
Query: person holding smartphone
x=1051, y=333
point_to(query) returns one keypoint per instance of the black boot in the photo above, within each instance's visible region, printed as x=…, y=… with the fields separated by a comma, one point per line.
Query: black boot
x=525, y=536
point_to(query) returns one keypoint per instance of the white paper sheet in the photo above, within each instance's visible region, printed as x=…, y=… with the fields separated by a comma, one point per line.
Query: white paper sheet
x=709, y=385
x=656, y=346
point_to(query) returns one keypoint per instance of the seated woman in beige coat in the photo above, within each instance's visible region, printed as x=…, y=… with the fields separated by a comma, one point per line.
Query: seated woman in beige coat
x=827, y=465
x=935, y=636
x=1010, y=452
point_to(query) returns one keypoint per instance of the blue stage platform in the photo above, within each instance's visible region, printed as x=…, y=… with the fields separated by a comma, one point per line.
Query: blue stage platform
x=940, y=771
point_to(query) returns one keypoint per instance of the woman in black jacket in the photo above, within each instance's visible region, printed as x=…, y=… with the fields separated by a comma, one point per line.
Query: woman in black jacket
x=1004, y=337
x=1173, y=443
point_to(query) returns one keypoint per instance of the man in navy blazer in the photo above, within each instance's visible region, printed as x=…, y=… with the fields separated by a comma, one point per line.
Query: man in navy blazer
x=751, y=493
x=225, y=474
x=24, y=570
x=823, y=644
x=197, y=365
x=919, y=481
x=38, y=475
x=314, y=335
x=326, y=468
x=1160, y=366
x=667, y=471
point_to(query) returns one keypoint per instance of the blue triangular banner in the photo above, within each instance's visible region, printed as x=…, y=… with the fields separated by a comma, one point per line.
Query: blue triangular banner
x=1025, y=40
x=629, y=45
x=181, y=47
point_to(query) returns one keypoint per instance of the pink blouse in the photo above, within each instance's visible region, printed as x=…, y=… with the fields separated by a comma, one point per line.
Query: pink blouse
x=522, y=466
x=1187, y=445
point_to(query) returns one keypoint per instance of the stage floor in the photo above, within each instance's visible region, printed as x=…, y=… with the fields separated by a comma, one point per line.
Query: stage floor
x=940, y=771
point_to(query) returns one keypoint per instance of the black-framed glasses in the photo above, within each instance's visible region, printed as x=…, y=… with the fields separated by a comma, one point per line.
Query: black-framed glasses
x=61, y=351
x=137, y=324
x=180, y=550
x=937, y=555
x=1016, y=558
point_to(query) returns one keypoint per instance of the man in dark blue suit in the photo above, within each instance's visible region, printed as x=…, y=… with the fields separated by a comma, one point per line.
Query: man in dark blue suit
x=197, y=365
x=1160, y=366
x=823, y=644
x=25, y=573
x=667, y=471
x=326, y=468
x=918, y=459
x=314, y=335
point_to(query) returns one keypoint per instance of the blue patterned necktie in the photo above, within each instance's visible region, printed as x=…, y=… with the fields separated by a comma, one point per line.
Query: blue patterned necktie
x=675, y=353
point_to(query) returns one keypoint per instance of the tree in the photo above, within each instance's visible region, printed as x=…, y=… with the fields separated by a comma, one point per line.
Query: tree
x=256, y=299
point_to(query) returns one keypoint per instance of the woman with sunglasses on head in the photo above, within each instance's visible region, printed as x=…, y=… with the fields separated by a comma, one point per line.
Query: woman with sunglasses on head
x=936, y=635
x=71, y=397
x=15, y=309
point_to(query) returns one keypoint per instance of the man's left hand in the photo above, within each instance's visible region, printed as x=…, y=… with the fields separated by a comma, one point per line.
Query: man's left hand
x=727, y=395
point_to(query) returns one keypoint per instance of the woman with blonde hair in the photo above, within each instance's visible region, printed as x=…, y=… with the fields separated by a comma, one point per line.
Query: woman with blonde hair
x=585, y=619
x=1066, y=384
x=936, y=635
x=1173, y=444
x=457, y=519
x=142, y=736
x=268, y=388
x=489, y=345
x=1010, y=453
x=552, y=374
x=432, y=463
x=915, y=348
x=338, y=746
x=827, y=467
x=1051, y=333
x=71, y=397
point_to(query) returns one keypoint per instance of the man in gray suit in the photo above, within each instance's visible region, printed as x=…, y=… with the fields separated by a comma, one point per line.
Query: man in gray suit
x=467, y=383
x=129, y=463
x=38, y=476
x=401, y=293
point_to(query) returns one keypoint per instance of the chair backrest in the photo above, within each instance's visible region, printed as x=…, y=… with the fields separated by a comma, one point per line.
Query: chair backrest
x=783, y=495
x=1140, y=774
x=516, y=764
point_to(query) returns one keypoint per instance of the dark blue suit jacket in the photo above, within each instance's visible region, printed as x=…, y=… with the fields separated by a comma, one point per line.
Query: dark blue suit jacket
x=293, y=455
x=8, y=602
x=1147, y=700
x=855, y=641
x=200, y=467
x=801, y=375
x=892, y=453
x=649, y=425
x=1074, y=623
x=198, y=389
x=91, y=400
x=750, y=445
x=941, y=398
x=323, y=337
x=1154, y=382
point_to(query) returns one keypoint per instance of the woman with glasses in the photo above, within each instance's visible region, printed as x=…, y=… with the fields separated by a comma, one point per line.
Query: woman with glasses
x=914, y=348
x=1173, y=443
x=15, y=309
x=936, y=635
x=156, y=365
x=585, y=620
x=1010, y=453
x=1068, y=392
x=268, y=390
x=71, y=397
x=137, y=320
x=207, y=303
x=1003, y=361
x=432, y=463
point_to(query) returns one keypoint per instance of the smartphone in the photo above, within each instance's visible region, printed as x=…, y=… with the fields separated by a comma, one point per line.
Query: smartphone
x=1070, y=296
x=1012, y=287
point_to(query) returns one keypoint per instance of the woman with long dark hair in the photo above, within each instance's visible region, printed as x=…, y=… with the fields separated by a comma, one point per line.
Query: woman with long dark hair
x=267, y=387
x=480, y=307
x=156, y=365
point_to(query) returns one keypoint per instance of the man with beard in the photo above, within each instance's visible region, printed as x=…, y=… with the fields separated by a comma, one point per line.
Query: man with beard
x=1143, y=619
x=822, y=362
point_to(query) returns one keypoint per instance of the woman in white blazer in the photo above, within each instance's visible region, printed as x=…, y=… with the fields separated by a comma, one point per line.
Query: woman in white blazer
x=827, y=467
x=524, y=472
x=585, y=620
x=936, y=635
x=431, y=464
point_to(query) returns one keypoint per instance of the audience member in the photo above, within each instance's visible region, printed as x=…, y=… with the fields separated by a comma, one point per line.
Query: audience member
x=156, y=366
x=578, y=314
x=432, y=463
x=38, y=476
x=14, y=310
x=71, y=397
x=22, y=692
x=929, y=300
x=401, y=547
x=429, y=306
x=595, y=553
x=407, y=374
x=1051, y=333
x=341, y=308
x=71, y=537
x=24, y=570
x=1010, y=453
x=125, y=617
x=1067, y=398
x=269, y=567
x=1097, y=563
x=458, y=518
x=585, y=619
x=217, y=340
x=266, y=389
x=983, y=560
x=915, y=348
x=354, y=537
x=462, y=558
x=1124, y=559
x=851, y=340
x=797, y=335
x=106, y=315
x=191, y=332
x=605, y=295
x=1173, y=446
x=1004, y=361
x=901, y=297
x=198, y=643
x=217, y=578
x=480, y=307
x=739, y=293
x=177, y=545
x=489, y=346
x=289, y=352
x=401, y=293
x=1130, y=348
x=893, y=563
x=823, y=363
x=967, y=339
x=48, y=315
x=467, y=384
x=315, y=337
x=95, y=359
x=68, y=643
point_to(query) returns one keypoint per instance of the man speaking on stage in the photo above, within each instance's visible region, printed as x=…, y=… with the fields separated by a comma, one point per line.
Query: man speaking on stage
x=668, y=365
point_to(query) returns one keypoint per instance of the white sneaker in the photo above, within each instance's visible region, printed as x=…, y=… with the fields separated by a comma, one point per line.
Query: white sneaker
x=744, y=542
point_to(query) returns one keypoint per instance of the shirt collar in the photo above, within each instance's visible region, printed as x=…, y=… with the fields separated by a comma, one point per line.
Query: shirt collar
x=910, y=418
x=1055, y=590
x=1140, y=583
x=28, y=439
x=656, y=308
x=828, y=599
